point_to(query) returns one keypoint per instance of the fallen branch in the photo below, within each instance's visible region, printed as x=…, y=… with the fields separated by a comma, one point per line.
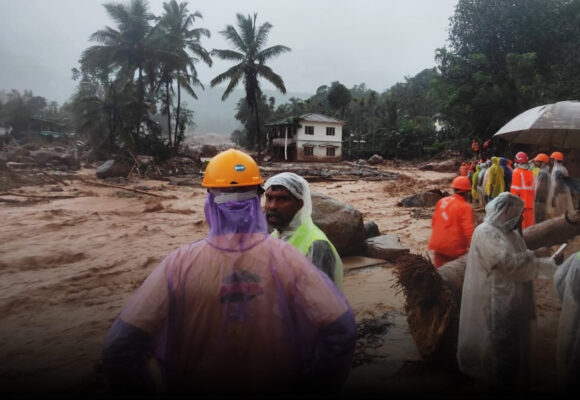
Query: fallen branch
x=52, y=178
x=36, y=196
x=90, y=182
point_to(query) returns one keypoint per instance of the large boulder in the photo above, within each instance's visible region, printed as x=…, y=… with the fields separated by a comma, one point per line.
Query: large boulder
x=342, y=224
x=428, y=198
x=113, y=168
x=376, y=159
x=43, y=157
x=371, y=229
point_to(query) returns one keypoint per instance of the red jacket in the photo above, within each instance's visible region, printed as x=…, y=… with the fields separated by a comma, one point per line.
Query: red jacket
x=452, y=225
x=523, y=186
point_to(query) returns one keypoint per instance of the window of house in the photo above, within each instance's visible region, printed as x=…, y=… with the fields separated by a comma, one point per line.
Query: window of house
x=309, y=130
x=329, y=131
x=330, y=151
x=308, y=150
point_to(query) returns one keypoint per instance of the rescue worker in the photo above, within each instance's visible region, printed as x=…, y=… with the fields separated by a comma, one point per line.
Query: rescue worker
x=289, y=211
x=541, y=187
x=523, y=187
x=567, y=283
x=497, y=303
x=495, y=183
x=560, y=197
x=452, y=224
x=474, y=180
x=480, y=183
x=238, y=312
x=507, y=173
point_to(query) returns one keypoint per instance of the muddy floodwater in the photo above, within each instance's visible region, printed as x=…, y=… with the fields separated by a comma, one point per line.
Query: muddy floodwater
x=71, y=257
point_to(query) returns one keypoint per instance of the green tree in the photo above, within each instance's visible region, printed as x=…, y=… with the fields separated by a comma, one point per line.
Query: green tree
x=339, y=97
x=251, y=56
x=179, y=36
x=505, y=56
x=126, y=50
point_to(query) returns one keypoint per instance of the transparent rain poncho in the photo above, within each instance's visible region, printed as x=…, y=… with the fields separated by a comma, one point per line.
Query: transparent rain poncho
x=567, y=283
x=321, y=252
x=560, y=197
x=497, y=306
x=238, y=312
x=541, y=193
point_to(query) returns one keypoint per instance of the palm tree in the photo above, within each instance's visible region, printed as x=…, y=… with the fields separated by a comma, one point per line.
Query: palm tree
x=250, y=57
x=176, y=25
x=125, y=49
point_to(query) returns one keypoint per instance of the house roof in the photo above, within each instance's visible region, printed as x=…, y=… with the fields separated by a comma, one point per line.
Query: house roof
x=311, y=117
x=319, y=118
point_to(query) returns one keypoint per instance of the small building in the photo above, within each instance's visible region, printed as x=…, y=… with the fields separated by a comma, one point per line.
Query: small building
x=309, y=137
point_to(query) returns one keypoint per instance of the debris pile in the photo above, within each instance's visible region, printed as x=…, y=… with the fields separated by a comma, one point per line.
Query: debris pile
x=432, y=312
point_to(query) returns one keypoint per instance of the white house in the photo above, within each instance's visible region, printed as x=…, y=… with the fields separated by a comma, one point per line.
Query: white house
x=309, y=137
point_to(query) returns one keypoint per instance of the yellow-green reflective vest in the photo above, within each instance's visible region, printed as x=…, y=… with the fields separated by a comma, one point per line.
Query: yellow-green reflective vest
x=303, y=238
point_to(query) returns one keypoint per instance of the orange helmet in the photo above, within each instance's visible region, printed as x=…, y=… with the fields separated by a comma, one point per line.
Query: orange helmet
x=461, y=183
x=542, y=157
x=231, y=168
x=557, y=156
x=521, y=157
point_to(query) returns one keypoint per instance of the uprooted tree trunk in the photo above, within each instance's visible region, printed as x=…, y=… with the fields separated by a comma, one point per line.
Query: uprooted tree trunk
x=433, y=295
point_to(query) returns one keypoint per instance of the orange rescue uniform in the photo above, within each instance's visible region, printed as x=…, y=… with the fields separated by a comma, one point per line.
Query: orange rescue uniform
x=452, y=226
x=523, y=187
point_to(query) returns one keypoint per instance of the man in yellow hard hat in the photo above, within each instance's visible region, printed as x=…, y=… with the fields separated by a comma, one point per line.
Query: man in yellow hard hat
x=288, y=208
x=236, y=313
x=452, y=224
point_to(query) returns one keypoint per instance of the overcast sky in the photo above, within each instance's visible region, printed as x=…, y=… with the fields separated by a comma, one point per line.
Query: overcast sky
x=376, y=42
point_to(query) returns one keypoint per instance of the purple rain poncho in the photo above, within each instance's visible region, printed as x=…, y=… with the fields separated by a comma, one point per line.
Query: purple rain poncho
x=238, y=312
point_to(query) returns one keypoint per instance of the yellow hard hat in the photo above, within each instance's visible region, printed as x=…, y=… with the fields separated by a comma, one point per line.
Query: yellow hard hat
x=231, y=168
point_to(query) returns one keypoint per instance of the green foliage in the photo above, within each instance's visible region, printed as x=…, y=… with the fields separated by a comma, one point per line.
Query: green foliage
x=136, y=69
x=250, y=55
x=505, y=57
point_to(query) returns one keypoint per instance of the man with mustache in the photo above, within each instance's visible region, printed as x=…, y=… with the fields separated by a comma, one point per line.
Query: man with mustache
x=289, y=211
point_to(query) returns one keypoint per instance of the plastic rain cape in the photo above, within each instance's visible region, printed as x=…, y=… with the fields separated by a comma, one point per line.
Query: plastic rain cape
x=567, y=284
x=497, y=307
x=237, y=312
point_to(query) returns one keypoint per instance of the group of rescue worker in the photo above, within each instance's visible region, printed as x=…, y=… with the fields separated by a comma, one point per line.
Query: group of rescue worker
x=497, y=311
x=256, y=307
x=538, y=182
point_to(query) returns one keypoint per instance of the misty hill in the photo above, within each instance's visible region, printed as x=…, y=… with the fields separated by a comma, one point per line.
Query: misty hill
x=212, y=115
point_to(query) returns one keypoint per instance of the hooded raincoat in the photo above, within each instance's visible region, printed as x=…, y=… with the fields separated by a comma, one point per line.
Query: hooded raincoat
x=567, y=283
x=507, y=173
x=302, y=233
x=474, y=178
x=541, y=193
x=495, y=183
x=523, y=187
x=560, y=198
x=452, y=226
x=238, y=312
x=497, y=305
